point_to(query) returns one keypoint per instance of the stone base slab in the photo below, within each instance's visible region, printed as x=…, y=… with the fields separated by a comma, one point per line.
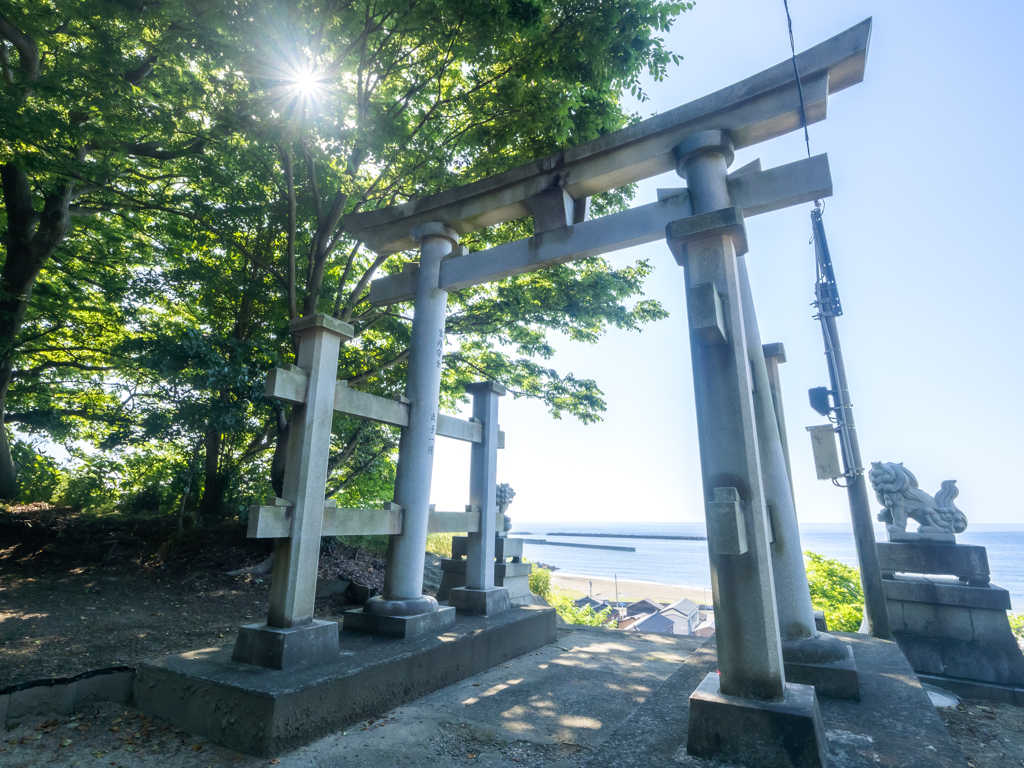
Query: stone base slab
x=486, y=602
x=265, y=712
x=990, y=663
x=836, y=680
x=975, y=689
x=967, y=562
x=945, y=590
x=513, y=576
x=894, y=723
x=399, y=626
x=284, y=648
x=760, y=734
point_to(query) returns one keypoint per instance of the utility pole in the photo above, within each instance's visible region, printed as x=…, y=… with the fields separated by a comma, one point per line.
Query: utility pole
x=876, y=612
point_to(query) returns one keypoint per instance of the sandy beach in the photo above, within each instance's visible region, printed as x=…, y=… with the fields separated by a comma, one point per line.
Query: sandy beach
x=604, y=589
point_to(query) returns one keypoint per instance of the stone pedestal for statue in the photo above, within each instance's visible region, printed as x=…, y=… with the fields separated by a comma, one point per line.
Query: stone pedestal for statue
x=949, y=620
x=510, y=572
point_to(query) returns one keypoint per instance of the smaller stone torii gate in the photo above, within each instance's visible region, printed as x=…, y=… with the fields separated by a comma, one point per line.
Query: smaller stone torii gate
x=291, y=636
x=751, y=710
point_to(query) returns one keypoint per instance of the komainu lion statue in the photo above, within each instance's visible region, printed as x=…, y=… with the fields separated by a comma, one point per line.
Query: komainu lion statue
x=896, y=487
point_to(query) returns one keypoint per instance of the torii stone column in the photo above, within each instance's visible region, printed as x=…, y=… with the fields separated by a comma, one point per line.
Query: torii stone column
x=403, y=600
x=723, y=719
x=810, y=658
x=774, y=356
x=290, y=635
x=480, y=595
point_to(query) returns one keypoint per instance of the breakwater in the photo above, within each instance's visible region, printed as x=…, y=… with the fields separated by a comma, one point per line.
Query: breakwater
x=632, y=536
x=581, y=546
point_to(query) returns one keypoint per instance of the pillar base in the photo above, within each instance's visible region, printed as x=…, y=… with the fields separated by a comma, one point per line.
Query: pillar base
x=286, y=647
x=398, y=626
x=833, y=679
x=485, y=602
x=761, y=734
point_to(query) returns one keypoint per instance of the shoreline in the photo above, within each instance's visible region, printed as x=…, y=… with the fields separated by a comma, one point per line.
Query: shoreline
x=630, y=590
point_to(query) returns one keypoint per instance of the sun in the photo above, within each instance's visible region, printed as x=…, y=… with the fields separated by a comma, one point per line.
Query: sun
x=308, y=82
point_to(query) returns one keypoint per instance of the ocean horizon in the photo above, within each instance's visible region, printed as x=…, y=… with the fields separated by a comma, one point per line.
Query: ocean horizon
x=685, y=562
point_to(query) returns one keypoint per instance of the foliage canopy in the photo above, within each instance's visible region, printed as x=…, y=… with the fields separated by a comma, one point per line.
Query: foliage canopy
x=174, y=179
x=836, y=590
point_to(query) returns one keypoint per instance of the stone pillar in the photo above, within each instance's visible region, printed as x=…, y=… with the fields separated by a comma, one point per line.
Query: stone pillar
x=813, y=659
x=480, y=595
x=774, y=356
x=749, y=653
x=746, y=712
x=290, y=635
x=403, y=576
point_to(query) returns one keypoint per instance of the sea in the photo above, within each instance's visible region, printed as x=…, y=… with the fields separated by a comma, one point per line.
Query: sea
x=673, y=561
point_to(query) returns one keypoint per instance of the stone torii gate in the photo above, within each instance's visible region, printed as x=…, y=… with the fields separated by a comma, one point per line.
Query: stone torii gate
x=748, y=711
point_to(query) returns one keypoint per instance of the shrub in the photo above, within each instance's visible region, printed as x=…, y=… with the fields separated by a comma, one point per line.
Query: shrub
x=441, y=543
x=540, y=581
x=1017, y=624
x=835, y=589
x=38, y=475
x=574, y=614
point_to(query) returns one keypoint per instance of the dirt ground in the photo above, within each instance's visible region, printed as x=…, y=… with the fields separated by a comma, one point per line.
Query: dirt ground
x=68, y=606
x=990, y=734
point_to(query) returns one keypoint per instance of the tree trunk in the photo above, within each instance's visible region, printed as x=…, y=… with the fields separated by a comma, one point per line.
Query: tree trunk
x=31, y=239
x=215, y=482
x=280, y=452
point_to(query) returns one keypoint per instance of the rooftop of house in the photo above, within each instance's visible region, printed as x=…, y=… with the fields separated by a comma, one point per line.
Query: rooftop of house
x=643, y=605
x=686, y=607
x=656, y=623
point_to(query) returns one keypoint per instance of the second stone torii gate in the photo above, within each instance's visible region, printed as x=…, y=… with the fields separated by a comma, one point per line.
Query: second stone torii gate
x=742, y=455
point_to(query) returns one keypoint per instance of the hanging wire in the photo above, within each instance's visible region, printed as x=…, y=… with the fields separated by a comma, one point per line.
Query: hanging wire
x=799, y=85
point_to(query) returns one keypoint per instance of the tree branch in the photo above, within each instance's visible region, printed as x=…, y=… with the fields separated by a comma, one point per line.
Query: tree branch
x=361, y=377
x=28, y=52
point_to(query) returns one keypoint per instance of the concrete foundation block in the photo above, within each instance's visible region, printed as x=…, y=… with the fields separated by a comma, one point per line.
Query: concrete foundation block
x=995, y=663
x=104, y=685
x=518, y=587
x=285, y=648
x=399, y=626
x=265, y=712
x=485, y=602
x=42, y=698
x=835, y=680
x=931, y=620
x=760, y=734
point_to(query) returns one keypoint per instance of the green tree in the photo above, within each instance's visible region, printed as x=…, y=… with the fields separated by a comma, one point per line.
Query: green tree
x=215, y=172
x=97, y=98
x=836, y=590
x=1017, y=624
x=353, y=106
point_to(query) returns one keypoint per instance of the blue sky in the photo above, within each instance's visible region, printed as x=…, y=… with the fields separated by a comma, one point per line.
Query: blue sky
x=925, y=158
